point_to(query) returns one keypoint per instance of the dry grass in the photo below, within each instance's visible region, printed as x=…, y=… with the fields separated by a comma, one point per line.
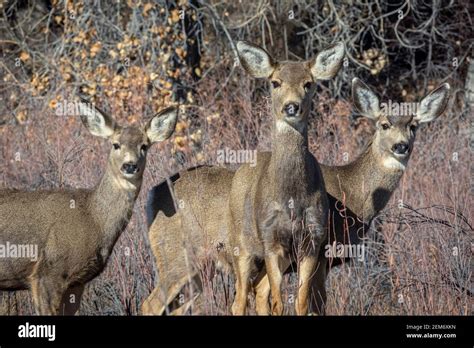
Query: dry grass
x=416, y=264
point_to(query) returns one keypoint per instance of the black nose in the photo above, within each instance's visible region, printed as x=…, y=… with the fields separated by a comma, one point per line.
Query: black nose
x=129, y=168
x=400, y=148
x=291, y=109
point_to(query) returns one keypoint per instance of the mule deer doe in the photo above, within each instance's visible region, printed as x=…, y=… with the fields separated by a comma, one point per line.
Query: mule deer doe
x=365, y=186
x=204, y=192
x=205, y=198
x=75, y=230
x=279, y=208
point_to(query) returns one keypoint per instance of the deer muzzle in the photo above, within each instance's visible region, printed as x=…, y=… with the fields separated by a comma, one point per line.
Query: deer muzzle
x=130, y=168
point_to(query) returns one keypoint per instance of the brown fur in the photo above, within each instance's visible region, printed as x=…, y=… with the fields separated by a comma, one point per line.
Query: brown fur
x=278, y=209
x=365, y=186
x=343, y=184
x=75, y=230
x=196, y=232
x=205, y=192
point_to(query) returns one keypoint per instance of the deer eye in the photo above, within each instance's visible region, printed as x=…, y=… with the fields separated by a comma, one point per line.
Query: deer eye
x=385, y=126
x=276, y=84
x=144, y=148
x=116, y=146
x=413, y=128
x=307, y=86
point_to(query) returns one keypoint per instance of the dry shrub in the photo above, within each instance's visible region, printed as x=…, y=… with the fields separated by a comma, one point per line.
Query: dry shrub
x=418, y=256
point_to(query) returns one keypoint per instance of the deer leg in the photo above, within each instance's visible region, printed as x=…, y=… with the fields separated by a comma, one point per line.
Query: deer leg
x=242, y=281
x=197, y=305
x=180, y=307
x=71, y=300
x=157, y=302
x=262, y=288
x=185, y=307
x=39, y=302
x=273, y=264
x=47, y=294
x=306, y=271
x=8, y=303
x=153, y=305
x=262, y=294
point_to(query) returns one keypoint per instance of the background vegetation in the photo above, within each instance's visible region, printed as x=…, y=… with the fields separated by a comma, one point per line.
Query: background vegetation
x=134, y=57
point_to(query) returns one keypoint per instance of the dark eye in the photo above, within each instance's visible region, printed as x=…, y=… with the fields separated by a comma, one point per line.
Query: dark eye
x=385, y=126
x=144, y=148
x=413, y=128
x=116, y=146
x=276, y=84
x=307, y=86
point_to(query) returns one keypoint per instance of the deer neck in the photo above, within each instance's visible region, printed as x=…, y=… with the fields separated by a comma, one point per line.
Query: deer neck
x=111, y=205
x=289, y=168
x=388, y=176
x=376, y=181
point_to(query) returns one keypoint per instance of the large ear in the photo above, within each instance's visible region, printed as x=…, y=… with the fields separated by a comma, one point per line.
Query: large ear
x=255, y=60
x=328, y=62
x=365, y=100
x=96, y=121
x=162, y=125
x=433, y=104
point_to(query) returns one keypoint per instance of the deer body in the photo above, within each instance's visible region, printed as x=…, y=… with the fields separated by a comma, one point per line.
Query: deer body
x=366, y=193
x=75, y=230
x=262, y=224
x=365, y=186
x=181, y=237
x=278, y=209
x=259, y=195
x=362, y=188
x=56, y=230
x=273, y=186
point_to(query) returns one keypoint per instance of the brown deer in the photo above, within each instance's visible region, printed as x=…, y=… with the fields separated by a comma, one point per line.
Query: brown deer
x=205, y=197
x=203, y=193
x=75, y=230
x=365, y=186
x=279, y=207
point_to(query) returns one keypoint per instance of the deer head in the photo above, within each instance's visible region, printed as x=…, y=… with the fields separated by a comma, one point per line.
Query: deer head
x=130, y=144
x=395, y=134
x=293, y=83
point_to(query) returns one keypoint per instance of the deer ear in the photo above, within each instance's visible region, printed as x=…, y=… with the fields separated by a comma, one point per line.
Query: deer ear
x=97, y=122
x=255, y=60
x=433, y=104
x=365, y=101
x=328, y=62
x=162, y=125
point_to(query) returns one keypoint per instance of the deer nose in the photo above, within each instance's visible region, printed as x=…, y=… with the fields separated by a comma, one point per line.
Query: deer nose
x=400, y=148
x=129, y=168
x=291, y=109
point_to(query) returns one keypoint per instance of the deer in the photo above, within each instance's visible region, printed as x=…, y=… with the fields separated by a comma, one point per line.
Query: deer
x=212, y=196
x=365, y=186
x=279, y=207
x=75, y=230
x=209, y=196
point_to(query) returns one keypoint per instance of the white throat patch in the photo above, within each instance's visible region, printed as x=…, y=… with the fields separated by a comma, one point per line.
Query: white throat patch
x=283, y=127
x=124, y=184
x=393, y=163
